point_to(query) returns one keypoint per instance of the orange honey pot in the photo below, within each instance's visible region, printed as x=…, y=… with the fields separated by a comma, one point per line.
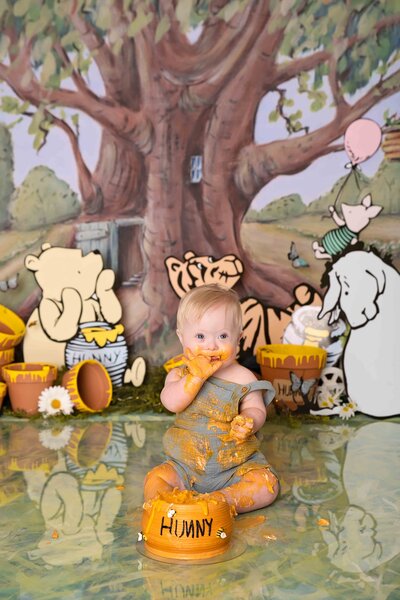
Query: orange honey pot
x=294, y=372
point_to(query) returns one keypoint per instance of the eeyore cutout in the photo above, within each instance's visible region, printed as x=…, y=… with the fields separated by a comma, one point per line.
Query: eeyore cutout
x=367, y=290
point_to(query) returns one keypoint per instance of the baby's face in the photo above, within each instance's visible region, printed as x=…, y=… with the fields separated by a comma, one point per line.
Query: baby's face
x=214, y=335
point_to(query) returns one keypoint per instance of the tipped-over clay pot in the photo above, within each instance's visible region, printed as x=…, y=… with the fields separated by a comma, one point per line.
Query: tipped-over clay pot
x=89, y=386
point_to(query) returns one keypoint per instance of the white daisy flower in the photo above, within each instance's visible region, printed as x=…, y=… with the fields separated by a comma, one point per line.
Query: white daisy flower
x=55, y=439
x=55, y=400
x=325, y=400
x=347, y=410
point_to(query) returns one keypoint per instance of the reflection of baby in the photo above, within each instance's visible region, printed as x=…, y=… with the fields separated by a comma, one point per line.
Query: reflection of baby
x=220, y=406
x=364, y=537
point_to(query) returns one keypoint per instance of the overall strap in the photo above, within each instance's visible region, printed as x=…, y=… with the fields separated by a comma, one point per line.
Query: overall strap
x=263, y=386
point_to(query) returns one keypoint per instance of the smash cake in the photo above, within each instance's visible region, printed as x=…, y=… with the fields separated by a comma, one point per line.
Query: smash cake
x=184, y=525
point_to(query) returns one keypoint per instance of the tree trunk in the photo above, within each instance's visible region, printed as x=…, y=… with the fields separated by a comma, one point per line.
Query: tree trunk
x=121, y=175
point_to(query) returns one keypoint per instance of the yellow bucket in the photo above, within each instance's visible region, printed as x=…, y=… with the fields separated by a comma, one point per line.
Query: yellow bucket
x=12, y=328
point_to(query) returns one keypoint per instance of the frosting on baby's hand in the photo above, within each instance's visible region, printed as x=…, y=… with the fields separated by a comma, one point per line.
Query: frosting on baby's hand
x=199, y=365
x=241, y=428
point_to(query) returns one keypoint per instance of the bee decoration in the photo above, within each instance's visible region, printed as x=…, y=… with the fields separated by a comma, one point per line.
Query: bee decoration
x=141, y=536
x=221, y=533
x=171, y=512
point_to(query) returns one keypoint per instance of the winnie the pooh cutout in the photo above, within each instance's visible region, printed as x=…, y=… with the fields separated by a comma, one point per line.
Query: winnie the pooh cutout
x=261, y=325
x=78, y=314
x=81, y=496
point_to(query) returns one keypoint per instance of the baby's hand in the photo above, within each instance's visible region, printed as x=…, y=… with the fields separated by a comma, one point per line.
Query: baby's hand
x=241, y=428
x=200, y=366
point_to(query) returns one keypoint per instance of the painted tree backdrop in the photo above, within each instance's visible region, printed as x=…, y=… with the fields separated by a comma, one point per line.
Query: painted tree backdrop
x=185, y=78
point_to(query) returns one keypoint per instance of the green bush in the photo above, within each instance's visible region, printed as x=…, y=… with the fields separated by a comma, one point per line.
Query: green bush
x=385, y=187
x=345, y=190
x=282, y=208
x=42, y=199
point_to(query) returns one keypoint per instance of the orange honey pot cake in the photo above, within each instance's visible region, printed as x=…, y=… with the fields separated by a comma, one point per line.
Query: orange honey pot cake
x=182, y=524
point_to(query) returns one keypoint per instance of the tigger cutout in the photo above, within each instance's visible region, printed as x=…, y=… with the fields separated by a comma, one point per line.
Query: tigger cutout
x=261, y=324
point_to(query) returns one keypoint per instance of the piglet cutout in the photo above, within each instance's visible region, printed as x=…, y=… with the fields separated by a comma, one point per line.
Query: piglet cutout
x=355, y=219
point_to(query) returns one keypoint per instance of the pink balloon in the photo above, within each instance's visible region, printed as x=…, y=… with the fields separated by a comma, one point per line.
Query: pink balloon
x=362, y=139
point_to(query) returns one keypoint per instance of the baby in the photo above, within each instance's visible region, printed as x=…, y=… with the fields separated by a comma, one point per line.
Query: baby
x=220, y=406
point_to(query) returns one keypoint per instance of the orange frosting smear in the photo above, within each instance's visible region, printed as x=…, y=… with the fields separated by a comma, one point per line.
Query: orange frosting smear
x=194, y=450
x=238, y=454
x=192, y=385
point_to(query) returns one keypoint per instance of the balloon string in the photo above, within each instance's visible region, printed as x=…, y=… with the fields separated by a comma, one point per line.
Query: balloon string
x=354, y=171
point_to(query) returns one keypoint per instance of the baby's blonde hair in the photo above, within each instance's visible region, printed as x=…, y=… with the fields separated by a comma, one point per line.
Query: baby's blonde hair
x=199, y=300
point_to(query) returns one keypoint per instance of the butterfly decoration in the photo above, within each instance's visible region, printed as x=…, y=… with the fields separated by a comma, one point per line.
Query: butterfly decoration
x=293, y=256
x=301, y=385
x=9, y=284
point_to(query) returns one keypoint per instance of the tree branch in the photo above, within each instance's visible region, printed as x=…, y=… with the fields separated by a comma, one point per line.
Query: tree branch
x=75, y=75
x=258, y=165
x=188, y=63
x=130, y=125
x=91, y=194
x=102, y=55
x=287, y=70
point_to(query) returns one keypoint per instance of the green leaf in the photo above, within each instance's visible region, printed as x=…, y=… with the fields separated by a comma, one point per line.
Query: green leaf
x=4, y=45
x=117, y=45
x=229, y=10
x=9, y=105
x=13, y=123
x=63, y=8
x=35, y=121
x=75, y=119
x=303, y=79
x=368, y=21
x=49, y=68
x=183, y=12
x=140, y=22
x=162, y=28
x=70, y=38
x=41, y=48
x=33, y=13
x=3, y=7
x=297, y=115
x=21, y=7
x=273, y=116
x=33, y=28
x=103, y=17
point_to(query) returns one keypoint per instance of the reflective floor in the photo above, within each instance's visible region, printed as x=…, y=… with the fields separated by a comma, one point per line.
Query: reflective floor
x=71, y=492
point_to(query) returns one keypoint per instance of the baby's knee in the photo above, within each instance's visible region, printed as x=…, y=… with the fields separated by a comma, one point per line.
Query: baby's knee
x=270, y=485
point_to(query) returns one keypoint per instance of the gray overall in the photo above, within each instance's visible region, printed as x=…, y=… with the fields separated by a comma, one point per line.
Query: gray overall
x=199, y=446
